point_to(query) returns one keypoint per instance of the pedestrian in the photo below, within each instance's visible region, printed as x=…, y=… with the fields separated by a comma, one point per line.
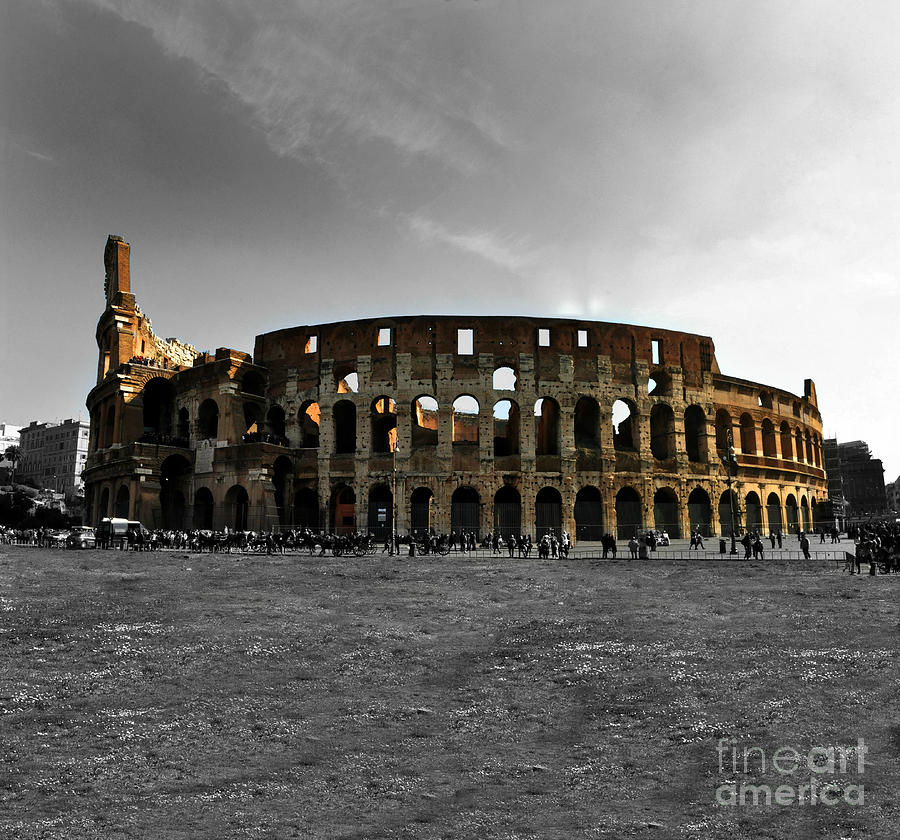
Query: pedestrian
x=633, y=548
x=804, y=545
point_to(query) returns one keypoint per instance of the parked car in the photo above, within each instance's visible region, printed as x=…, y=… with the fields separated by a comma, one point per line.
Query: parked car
x=81, y=537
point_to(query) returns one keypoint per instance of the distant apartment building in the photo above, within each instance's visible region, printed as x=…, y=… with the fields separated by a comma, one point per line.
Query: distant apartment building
x=52, y=456
x=9, y=436
x=892, y=492
x=855, y=479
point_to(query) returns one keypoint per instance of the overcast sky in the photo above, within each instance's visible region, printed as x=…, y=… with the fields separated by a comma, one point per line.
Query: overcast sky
x=725, y=168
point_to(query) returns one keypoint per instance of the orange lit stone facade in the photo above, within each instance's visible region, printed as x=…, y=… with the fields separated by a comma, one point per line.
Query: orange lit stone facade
x=442, y=423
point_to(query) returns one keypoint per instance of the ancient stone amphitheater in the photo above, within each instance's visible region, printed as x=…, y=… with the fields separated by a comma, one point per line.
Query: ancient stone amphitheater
x=448, y=423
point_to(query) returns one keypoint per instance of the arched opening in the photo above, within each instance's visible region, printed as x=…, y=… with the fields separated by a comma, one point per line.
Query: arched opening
x=665, y=512
x=806, y=518
x=695, y=434
x=253, y=383
x=769, y=446
x=546, y=431
x=506, y=428
x=237, y=508
x=275, y=423
x=344, y=427
x=798, y=445
x=424, y=422
x=507, y=511
x=204, y=507
x=624, y=422
x=629, y=515
x=748, y=435
x=465, y=511
x=306, y=509
x=504, y=379
x=309, y=425
x=723, y=428
x=123, y=503
x=808, y=445
x=465, y=420
x=728, y=509
x=588, y=514
x=159, y=409
x=659, y=384
x=282, y=471
x=773, y=513
x=208, y=419
x=754, y=513
x=109, y=427
x=381, y=511
x=700, y=511
x=346, y=380
x=662, y=431
x=174, y=472
x=103, y=510
x=765, y=399
x=790, y=510
x=251, y=422
x=421, y=505
x=383, y=418
x=787, y=442
x=343, y=510
x=587, y=423
x=548, y=512
x=817, y=451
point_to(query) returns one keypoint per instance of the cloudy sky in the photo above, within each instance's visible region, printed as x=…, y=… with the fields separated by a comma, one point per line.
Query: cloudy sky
x=725, y=168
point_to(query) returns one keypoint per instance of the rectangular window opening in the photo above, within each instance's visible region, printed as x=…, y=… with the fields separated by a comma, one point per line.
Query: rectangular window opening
x=384, y=337
x=465, y=342
x=656, y=351
x=543, y=337
x=312, y=344
x=582, y=338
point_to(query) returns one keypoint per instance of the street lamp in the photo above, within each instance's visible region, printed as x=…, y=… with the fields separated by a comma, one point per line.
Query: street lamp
x=730, y=462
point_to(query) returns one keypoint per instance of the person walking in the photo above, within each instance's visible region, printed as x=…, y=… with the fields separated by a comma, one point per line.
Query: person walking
x=804, y=545
x=633, y=548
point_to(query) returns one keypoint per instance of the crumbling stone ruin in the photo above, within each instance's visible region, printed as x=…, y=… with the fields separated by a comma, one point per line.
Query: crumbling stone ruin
x=447, y=423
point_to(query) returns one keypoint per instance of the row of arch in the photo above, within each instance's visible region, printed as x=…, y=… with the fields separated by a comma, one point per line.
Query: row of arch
x=795, y=444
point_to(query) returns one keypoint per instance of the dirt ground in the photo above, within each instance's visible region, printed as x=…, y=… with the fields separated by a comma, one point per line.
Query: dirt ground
x=174, y=695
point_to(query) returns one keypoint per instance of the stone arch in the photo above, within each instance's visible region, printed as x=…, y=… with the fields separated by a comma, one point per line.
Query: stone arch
x=662, y=431
x=103, y=510
x=465, y=510
x=208, y=419
x=548, y=512
x=505, y=379
x=158, y=398
x=625, y=425
x=109, y=426
x=174, y=479
x=253, y=383
x=787, y=441
x=383, y=418
x=629, y=513
x=773, y=513
x=344, y=416
x=309, y=417
x=765, y=399
x=275, y=422
x=769, y=447
x=507, y=430
x=588, y=514
x=798, y=444
x=306, y=508
x=346, y=379
x=728, y=507
x=465, y=419
x=659, y=383
x=183, y=429
x=204, y=509
x=237, y=508
x=665, y=512
x=424, y=416
x=700, y=511
x=791, y=514
x=754, y=512
x=807, y=440
x=381, y=511
x=343, y=509
x=507, y=511
x=805, y=516
x=748, y=435
x=695, y=434
x=282, y=474
x=546, y=426
x=724, y=425
x=123, y=502
x=252, y=419
x=421, y=511
x=587, y=423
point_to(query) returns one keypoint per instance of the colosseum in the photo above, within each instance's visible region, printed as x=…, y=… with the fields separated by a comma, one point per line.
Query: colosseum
x=446, y=423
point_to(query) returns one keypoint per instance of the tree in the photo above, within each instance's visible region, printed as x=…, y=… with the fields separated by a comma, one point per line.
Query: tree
x=12, y=455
